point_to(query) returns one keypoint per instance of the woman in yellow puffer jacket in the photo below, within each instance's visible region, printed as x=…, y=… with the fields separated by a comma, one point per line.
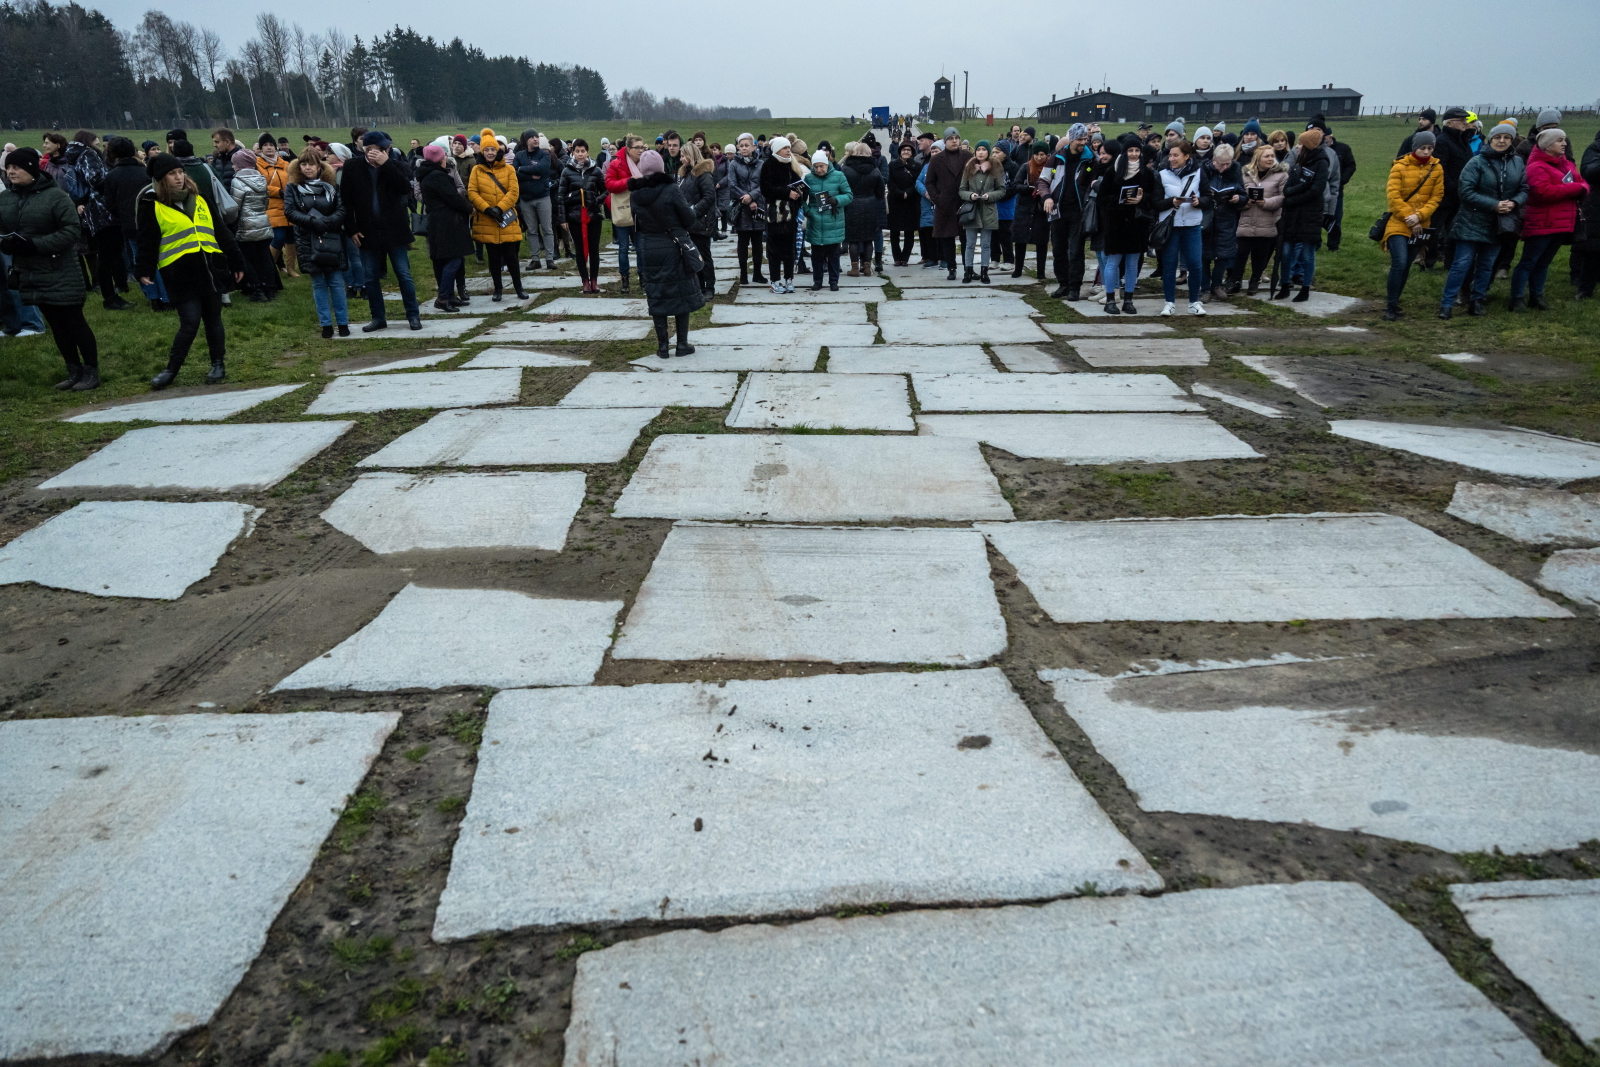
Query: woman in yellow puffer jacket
x=492, y=190
x=1416, y=187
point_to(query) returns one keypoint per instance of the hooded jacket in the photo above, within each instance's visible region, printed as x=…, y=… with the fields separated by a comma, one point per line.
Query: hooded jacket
x=44, y=212
x=249, y=190
x=314, y=209
x=277, y=175
x=1305, y=197
x=195, y=272
x=89, y=168
x=1488, y=178
x=990, y=186
x=658, y=210
x=449, y=212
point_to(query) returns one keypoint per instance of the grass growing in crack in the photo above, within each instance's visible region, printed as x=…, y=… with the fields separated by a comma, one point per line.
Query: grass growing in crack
x=865, y=909
x=354, y=953
x=1089, y=889
x=396, y=1002
x=495, y=1000
x=415, y=755
x=577, y=947
x=356, y=819
x=466, y=727
x=450, y=805
x=389, y=1047
x=1493, y=866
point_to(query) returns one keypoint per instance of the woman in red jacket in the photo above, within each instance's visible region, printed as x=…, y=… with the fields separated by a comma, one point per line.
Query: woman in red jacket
x=1554, y=191
x=625, y=166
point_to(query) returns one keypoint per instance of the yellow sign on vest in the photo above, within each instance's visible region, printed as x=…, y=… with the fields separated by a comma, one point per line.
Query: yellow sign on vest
x=181, y=235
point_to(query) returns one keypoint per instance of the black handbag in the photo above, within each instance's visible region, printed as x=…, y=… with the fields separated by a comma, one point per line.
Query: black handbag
x=688, y=254
x=1161, y=232
x=1091, y=209
x=419, y=223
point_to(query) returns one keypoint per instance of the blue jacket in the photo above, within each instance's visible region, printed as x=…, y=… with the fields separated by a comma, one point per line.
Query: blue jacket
x=926, y=218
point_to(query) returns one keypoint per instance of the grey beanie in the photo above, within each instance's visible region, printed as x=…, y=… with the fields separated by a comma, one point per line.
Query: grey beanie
x=1204, y=131
x=1549, y=137
x=951, y=131
x=1175, y=124
x=1078, y=132
x=1422, y=137
x=1505, y=128
x=1548, y=117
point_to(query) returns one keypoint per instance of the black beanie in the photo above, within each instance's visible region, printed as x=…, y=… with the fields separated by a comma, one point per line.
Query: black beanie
x=162, y=165
x=27, y=159
x=182, y=149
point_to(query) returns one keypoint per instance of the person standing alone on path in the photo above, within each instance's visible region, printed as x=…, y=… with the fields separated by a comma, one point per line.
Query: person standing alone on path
x=671, y=289
x=942, y=178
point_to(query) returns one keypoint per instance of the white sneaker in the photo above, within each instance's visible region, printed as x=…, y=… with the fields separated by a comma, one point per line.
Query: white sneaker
x=1168, y=308
x=1197, y=308
x=1094, y=290
x=788, y=286
x=777, y=286
x=30, y=331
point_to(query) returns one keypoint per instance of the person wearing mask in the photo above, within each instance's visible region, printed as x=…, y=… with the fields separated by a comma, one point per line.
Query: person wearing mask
x=39, y=232
x=660, y=215
x=1219, y=235
x=1183, y=189
x=828, y=198
x=782, y=185
x=1030, y=223
x=622, y=170
x=1129, y=197
x=449, y=237
x=1426, y=119
x=699, y=191
x=580, y=197
x=1256, y=236
x=1493, y=188
x=536, y=170
x=181, y=235
x=1305, y=205
x=313, y=207
x=254, y=233
x=861, y=217
x=494, y=193
x=1555, y=189
x=1587, y=246
x=744, y=192
x=942, y=179
x=1415, y=190
x=1062, y=187
x=376, y=187
x=904, y=203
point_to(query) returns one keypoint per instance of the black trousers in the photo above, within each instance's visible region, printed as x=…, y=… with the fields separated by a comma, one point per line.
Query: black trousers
x=1066, y=234
x=74, y=339
x=1255, y=249
x=930, y=250
x=108, y=245
x=661, y=328
x=260, y=273
x=780, y=249
x=824, y=256
x=1039, y=251
x=1002, y=246
x=708, y=273
x=749, y=240
x=902, y=250
x=588, y=264
x=202, y=306
x=505, y=256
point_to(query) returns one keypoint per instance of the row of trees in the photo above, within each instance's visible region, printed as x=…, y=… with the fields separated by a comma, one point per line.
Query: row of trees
x=68, y=66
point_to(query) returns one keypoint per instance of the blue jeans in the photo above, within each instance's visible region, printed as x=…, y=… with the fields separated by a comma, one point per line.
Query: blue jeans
x=372, y=258
x=624, y=236
x=1185, y=241
x=1401, y=252
x=281, y=235
x=157, y=291
x=1484, y=253
x=1122, y=272
x=450, y=271
x=1537, y=255
x=355, y=272
x=1299, y=263
x=329, y=288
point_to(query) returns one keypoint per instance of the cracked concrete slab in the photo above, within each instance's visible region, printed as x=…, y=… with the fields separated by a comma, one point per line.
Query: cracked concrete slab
x=230, y=458
x=1533, y=516
x=1091, y=439
x=822, y=401
x=390, y=512
x=1512, y=452
x=515, y=437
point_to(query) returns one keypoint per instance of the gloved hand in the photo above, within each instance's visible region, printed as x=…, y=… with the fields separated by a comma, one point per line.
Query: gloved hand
x=317, y=225
x=17, y=244
x=494, y=213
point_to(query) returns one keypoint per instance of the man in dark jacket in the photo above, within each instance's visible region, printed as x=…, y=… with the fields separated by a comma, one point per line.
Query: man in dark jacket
x=1425, y=121
x=376, y=188
x=943, y=183
x=534, y=173
x=1453, y=150
x=1061, y=187
x=1347, y=170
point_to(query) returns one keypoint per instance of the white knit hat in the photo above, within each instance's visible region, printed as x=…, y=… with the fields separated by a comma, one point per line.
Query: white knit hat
x=819, y=157
x=777, y=144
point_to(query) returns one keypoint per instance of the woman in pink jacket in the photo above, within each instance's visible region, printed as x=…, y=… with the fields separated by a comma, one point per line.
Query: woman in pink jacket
x=1555, y=189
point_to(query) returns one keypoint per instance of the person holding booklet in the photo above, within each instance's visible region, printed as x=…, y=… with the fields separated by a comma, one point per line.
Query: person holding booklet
x=1219, y=245
x=1127, y=199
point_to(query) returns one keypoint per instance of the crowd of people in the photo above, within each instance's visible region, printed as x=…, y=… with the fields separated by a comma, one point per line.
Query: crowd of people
x=1219, y=212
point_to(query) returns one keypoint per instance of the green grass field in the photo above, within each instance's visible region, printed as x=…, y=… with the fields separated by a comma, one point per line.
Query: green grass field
x=277, y=343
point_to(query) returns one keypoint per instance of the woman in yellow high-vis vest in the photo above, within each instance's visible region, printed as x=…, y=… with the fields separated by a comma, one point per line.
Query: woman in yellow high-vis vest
x=182, y=235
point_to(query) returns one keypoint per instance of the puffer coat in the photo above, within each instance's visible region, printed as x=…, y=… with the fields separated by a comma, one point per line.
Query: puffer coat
x=249, y=189
x=1219, y=230
x=1554, y=191
x=449, y=213
x=861, y=223
x=1303, y=200
x=580, y=187
x=1488, y=178
x=314, y=209
x=744, y=179
x=1260, y=217
x=904, y=200
x=277, y=176
x=658, y=210
x=484, y=193
x=989, y=186
x=43, y=211
x=826, y=225
x=699, y=191
x=1415, y=188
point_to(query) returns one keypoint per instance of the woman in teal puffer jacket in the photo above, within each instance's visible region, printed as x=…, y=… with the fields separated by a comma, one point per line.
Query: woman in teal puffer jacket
x=827, y=195
x=1493, y=185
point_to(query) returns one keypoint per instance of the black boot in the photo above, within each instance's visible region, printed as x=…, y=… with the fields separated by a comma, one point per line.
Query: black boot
x=1391, y=313
x=1127, y=305
x=414, y=321
x=1445, y=313
x=1060, y=293
x=966, y=275
x=1303, y=295
x=625, y=290
x=1536, y=302
x=327, y=332
x=1477, y=307
x=684, y=347
x=1111, y=303
x=983, y=275
x=662, y=351
x=1074, y=294
x=217, y=372
x=168, y=376
x=74, y=375
x=1016, y=272
x=1282, y=292
x=89, y=379
x=1517, y=304
x=375, y=325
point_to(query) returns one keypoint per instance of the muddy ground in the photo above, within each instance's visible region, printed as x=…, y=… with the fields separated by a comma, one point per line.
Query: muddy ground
x=349, y=974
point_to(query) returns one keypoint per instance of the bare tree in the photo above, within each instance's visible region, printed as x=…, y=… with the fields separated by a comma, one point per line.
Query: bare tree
x=275, y=47
x=304, y=48
x=212, y=56
x=170, y=47
x=337, y=46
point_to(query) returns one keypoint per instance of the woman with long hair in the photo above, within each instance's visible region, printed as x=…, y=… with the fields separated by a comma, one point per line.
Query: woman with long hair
x=699, y=192
x=782, y=179
x=1257, y=234
x=982, y=185
x=1128, y=195
x=492, y=189
x=182, y=236
x=905, y=205
x=1304, y=205
x=1030, y=223
x=1182, y=186
x=312, y=205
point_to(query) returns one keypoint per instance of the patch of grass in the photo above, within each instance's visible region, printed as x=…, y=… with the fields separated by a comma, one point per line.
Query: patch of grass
x=1089, y=889
x=354, y=953
x=356, y=819
x=336, y=1058
x=450, y=805
x=453, y=1006
x=415, y=755
x=1142, y=486
x=801, y=427
x=307, y=988
x=389, y=1047
x=495, y=1000
x=358, y=890
x=396, y=1002
x=577, y=947
x=444, y=1056
x=466, y=727
x=1493, y=866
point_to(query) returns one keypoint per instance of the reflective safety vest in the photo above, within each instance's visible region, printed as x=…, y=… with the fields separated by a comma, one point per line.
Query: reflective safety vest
x=181, y=235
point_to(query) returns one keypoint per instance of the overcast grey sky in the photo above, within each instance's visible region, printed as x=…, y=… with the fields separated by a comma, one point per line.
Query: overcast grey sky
x=842, y=56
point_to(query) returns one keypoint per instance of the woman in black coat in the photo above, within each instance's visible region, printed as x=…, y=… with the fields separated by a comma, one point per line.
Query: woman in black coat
x=699, y=191
x=1129, y=197
x=1301, y=227
x=1030, y=223
x=905, y=203
x=313, y=207
x=861, y=222
x=449, y=214
x=580, y=197
x=659, y=215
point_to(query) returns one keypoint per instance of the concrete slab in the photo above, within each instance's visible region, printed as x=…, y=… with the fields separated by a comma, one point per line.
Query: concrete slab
x=1147, y=305
x=1209, y=744
x=1320, y=973
x=422, y=389
x=1050, y=392
x=633, y=389
x=440, y=638
x=1108, y=329
x=1513, y=452
x=916, y=277
x=1089, y=439
x=212, y=407
x=822, y=401
x=595, y=307
x=520, y=357
x=1235, y=568
x=145, y=858
x=515, y=509
x=1002, y=330
x=1462, y=357
x=1533, y=516
x=136, y=548
x=432, y=359
x=1341, y=381
x=955, y=796
x=232, y=458
x=1141, y=352
x=1029, y=359
x=909, y=359
x=541, y=333
x=1548, y=933
x=760, y=294
x=1202, y=389
x=736, y=358
x=963, y=309
x=854, y=595
x=1574, y=573
x=812, y=478
x=762, y=335
x=1010, y=296
x=787, y=314
x=514, y=437
x=1321, y=305
x=443, y=326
